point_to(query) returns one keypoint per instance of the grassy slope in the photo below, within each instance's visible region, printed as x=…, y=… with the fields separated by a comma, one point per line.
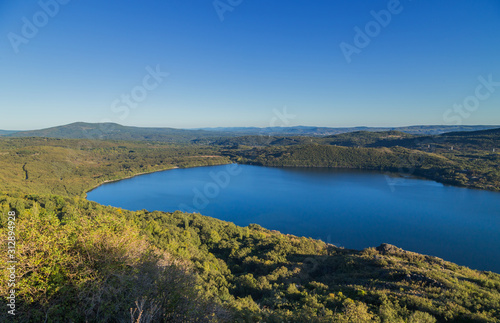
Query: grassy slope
x=71, y=167
x=72, y=251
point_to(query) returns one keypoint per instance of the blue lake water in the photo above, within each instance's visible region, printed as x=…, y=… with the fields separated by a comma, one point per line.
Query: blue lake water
x=353, y=209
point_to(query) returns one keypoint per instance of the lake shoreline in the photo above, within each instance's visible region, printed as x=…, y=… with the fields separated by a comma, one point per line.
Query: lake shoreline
x=357, y=208
x=390, y=173
x=384, y=172
x=147, y=173
x=124, y=178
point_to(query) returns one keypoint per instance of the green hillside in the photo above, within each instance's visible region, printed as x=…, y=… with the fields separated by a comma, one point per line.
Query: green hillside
x=485, y=140
x=78, y=261
x=478, y=170
x=488, y=133
x=71, y=167
x=468, y=159
x=366, y=138
x=114, y=131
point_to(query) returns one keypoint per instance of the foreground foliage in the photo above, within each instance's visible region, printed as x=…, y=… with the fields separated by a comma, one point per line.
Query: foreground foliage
x=80, y=261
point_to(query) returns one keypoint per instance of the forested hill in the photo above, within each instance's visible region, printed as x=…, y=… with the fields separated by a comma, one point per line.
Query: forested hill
x=468, y=168
x=489, y=133
x=483, y=139
x=114, y=131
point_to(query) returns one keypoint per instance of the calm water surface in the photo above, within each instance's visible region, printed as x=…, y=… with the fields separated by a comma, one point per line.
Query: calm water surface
x=354, y=209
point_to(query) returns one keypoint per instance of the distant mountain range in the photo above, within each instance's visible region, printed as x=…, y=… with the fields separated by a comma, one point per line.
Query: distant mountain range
x=113, y=131
x=6, y=132
x=326, y=131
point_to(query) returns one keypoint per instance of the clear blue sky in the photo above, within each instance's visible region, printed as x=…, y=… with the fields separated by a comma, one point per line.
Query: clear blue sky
x=263, y=56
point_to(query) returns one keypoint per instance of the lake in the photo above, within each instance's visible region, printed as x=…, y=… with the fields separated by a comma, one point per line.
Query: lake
x=349, y=208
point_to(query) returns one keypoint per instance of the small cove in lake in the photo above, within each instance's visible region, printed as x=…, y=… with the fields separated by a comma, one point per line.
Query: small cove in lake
x=350, y=208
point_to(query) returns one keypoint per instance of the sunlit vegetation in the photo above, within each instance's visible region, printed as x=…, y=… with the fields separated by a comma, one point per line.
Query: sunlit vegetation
x=79, y=261
x=73, y=166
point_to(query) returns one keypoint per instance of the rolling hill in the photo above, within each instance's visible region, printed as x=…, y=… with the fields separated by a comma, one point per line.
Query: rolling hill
x=114, y=131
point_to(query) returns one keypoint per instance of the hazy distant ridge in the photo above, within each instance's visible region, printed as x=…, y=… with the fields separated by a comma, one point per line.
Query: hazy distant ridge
x=113, y=131
x=325, y=131
x=7, y=132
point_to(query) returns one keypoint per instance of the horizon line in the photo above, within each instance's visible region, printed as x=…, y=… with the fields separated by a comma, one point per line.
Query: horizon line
x=257, y=127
